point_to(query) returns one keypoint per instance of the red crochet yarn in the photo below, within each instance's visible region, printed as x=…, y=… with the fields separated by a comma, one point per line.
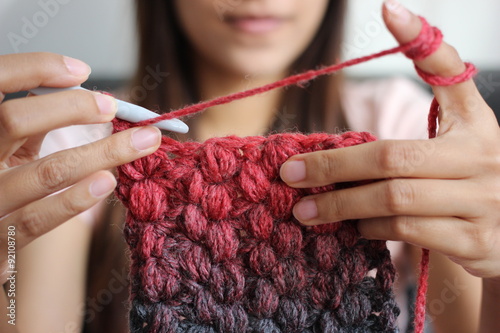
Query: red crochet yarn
x=215, y=247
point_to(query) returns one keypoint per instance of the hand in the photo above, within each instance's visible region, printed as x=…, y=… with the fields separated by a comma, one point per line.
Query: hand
x=26, y=181
x=442, y=194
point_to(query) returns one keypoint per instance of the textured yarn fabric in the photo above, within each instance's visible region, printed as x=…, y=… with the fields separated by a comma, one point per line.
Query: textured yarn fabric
x=214, y=245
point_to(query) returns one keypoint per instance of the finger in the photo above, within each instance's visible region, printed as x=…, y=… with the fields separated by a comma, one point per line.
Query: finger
x=26, y=117
x=30, y=70
x=379, y=160
x=38, y=179
x=460, y=99
x=449, y=235
x=40, y=217
x=28, y=151
x=416, y=197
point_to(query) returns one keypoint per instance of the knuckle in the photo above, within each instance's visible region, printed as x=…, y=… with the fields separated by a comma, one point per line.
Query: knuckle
x=81, y=102
x=30, y=223
x=483, y=240
x=398, y=196
x=391, y=159
x=396, y=159
x=112, y=152
x=336, y=207
x=72, y=205
x=9, y=123
x=323, y=168
x=401, y=227
x=53, y=172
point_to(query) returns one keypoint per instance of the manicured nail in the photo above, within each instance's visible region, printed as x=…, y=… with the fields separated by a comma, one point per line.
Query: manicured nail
x=146, y=138
x=77, y=67
x=102, y=186
x=293, y=171
x=397, y=10
x=106, y=104
x=306, y=210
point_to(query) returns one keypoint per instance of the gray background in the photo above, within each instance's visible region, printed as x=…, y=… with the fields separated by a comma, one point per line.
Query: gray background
x=102, y=32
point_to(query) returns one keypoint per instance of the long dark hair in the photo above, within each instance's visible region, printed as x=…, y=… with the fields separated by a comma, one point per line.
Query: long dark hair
x=163, y=48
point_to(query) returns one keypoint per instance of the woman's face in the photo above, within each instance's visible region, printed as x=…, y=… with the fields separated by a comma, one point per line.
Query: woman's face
x=250, y=37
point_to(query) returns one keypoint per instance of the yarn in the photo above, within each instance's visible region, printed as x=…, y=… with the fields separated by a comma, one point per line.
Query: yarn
x=214, y=245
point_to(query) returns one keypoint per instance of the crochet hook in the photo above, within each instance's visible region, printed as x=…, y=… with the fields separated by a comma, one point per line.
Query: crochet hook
x=126, y=111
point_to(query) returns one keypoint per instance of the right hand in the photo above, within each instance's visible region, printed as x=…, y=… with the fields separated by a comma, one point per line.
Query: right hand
x=26, y=182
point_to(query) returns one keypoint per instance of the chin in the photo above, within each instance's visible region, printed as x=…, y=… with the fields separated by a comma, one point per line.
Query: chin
x=258, y=64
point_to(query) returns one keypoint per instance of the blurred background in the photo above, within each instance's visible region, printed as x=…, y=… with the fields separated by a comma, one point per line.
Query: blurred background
x=102, y=33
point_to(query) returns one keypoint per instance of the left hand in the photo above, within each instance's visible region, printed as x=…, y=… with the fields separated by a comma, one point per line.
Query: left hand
x=442, y=194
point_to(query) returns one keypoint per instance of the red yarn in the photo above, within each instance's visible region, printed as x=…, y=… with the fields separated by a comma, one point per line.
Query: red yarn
x=417, y=49
x=419, y=321
x=427, y=42
x=215, y=247
x=470, y=71
x=185, y=187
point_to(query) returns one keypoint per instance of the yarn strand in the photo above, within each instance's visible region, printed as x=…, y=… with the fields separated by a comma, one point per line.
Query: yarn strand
x=429, y=39
x=291, y=80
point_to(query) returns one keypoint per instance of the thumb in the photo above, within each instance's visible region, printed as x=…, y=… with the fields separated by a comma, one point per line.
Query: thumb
x=459, y=103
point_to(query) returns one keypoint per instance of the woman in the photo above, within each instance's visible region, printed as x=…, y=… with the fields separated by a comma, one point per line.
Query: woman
x=214, y=50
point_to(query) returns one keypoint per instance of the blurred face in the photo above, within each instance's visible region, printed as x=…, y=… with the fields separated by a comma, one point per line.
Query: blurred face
x=250, y=37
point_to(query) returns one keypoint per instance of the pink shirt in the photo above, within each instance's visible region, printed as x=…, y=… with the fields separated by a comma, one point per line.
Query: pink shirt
x=391, y=108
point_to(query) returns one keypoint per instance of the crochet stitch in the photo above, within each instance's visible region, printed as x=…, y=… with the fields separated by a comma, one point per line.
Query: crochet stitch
x=215, y=247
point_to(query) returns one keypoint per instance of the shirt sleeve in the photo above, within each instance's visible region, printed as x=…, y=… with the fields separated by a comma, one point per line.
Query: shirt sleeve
x=75, y=136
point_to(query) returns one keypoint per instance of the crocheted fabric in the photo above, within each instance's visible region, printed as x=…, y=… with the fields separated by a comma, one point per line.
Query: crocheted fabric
x=215, y=248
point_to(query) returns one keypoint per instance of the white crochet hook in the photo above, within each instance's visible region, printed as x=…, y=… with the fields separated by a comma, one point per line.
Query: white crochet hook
x=126, y=111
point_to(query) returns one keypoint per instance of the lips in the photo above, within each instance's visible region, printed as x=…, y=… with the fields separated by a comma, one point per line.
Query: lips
x=255, y=24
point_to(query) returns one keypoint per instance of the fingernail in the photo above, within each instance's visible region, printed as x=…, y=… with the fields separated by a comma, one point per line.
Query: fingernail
x=145, y=138
x=293, y=171
x=397, y=10
x=106, y=104
x=77, y=67
x=102, y=186
x=305, y=210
